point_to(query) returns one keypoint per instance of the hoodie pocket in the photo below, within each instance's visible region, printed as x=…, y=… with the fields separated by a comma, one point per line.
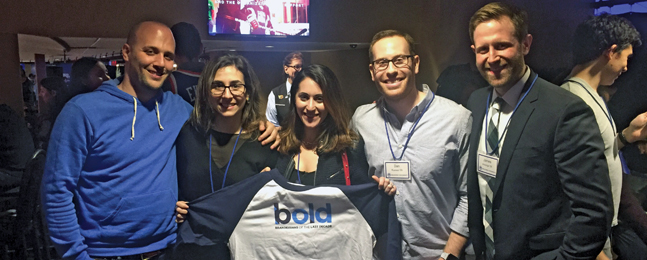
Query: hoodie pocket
x=139, y=217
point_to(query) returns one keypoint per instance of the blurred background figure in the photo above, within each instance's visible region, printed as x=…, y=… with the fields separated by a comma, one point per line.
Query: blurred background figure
x=16, y=147
x=188, y=47
x=87, y=75
x=53, y=92
x=278, y=101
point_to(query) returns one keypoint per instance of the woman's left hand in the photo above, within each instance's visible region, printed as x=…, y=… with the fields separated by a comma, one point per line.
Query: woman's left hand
x=385, y=184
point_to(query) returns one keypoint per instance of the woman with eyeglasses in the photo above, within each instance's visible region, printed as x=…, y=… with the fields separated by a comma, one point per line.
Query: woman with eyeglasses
x=218, y=145
x=317, y=145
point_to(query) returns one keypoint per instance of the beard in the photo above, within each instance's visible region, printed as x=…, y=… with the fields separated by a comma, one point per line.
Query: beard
x=506, y=78
x=148, y=83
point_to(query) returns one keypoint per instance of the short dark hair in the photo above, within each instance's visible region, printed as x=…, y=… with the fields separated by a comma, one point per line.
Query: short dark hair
x=496, y=11
x=293, y=55
x=598, y=33
x=336, y=134
x=54, y=83
x=203, y=115
x=79, y=74
x=391, y=33
x=187, y=40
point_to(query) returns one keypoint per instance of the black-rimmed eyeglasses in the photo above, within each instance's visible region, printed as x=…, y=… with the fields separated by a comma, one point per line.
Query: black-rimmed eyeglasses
x=218, y=89
x=398, y=61
x=296, y=67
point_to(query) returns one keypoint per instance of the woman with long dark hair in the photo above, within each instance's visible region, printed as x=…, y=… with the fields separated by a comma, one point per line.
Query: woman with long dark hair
x=218, y=145
x=317, y=145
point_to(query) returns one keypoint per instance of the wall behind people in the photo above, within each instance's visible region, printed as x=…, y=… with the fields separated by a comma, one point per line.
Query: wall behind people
x=10, y=81
x=440, y=27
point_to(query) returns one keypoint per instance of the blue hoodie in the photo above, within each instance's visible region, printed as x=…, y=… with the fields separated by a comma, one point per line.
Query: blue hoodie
x=110, y=181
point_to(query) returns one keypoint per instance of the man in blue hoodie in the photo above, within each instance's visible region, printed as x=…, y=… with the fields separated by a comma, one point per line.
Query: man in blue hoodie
x=110, y=183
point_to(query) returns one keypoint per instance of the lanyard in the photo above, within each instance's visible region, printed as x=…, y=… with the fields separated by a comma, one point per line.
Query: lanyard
x=411, y=132
x=596, y=101
x=228, y=164
x=487, y=108
x=298, y=172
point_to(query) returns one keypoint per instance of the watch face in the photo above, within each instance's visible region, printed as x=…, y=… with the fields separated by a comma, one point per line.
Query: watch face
x=448, y=256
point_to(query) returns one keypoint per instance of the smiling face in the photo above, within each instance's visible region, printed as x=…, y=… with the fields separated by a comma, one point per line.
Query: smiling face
x=499, y=54
x=309, y=104
x=224, y=102
x=149, y=57
x=617, y=65
x=292, y=69
x=394, y=83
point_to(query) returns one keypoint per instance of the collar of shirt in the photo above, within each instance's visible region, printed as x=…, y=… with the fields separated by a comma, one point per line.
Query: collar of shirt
x=584, y=83
x=288, y=85
x=514, y=94
x=413, y=114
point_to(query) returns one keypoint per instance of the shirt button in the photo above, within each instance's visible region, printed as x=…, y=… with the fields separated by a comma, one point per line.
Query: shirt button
x=400, y=146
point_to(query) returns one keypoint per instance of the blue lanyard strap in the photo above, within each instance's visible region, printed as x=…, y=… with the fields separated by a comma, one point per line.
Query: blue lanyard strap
x=228, y=164
x=487, y=109
x=605, y=105
x=298, y=172
x=410, y=132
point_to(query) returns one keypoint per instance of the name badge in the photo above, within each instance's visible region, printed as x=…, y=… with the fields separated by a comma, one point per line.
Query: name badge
x=487, y=165
x=397, y=170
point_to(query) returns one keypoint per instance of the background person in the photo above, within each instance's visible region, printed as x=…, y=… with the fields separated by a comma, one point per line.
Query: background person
x=601, y=48
x=52, y=93
x=87, y=75
x=188, y=46
x=278, y=101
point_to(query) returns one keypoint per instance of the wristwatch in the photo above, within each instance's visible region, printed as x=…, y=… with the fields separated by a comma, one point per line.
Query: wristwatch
x=622, y=138
x=444, y=255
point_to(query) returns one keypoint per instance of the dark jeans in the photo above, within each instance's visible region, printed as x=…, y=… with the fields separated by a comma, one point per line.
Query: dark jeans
x=626, y=244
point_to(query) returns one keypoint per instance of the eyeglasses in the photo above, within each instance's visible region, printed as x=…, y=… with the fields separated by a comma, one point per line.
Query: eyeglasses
x=218, y=89
x=296, y=67
x=399, y=62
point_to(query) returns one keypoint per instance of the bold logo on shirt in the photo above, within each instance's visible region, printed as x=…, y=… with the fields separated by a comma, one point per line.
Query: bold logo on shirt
x=302, y=216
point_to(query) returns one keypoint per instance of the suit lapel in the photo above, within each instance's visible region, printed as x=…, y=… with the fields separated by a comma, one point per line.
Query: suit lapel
x=515, y=129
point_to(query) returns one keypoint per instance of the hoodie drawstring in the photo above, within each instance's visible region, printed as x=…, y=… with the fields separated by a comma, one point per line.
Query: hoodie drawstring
x=132, y=129
x=157, y=111
x=157, y=106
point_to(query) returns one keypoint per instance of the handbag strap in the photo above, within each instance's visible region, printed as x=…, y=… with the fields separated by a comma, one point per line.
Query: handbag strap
x=344, y=158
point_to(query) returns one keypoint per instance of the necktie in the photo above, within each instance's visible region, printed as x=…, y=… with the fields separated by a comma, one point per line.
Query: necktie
x=492, y=144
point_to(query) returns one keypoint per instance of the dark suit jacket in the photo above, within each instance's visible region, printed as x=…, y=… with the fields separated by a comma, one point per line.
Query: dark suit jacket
x=553, y=196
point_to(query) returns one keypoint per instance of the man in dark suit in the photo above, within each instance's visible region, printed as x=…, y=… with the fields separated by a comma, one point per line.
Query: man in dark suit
x=538, y=185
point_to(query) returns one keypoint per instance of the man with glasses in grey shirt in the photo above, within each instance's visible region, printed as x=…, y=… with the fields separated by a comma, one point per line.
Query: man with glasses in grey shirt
x=420, y=142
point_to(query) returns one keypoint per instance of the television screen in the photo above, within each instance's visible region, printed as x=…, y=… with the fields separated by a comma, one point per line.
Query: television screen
x=259, y=17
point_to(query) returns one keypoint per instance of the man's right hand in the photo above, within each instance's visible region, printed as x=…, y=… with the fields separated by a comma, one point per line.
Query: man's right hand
x=181, y=208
